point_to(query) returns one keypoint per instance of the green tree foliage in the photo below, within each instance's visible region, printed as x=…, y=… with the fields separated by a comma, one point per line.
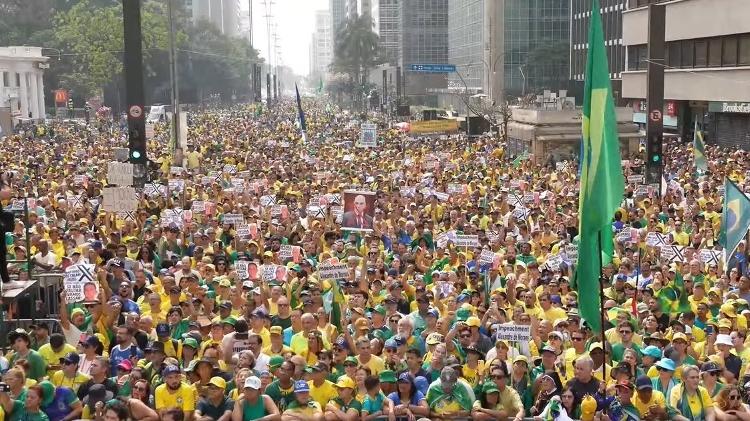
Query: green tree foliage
x=356, y=51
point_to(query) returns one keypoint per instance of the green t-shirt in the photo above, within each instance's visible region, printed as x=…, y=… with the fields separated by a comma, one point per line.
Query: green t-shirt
x=282, y=397
x=344, y=407
x=37, y=365
x=19, y=413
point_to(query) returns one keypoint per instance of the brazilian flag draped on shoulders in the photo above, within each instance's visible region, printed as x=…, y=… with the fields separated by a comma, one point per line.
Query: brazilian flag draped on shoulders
x=735, y=219
x=602, y=183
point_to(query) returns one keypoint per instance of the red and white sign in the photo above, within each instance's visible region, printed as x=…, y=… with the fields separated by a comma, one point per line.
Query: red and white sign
x=655, y=115
x=135, y=111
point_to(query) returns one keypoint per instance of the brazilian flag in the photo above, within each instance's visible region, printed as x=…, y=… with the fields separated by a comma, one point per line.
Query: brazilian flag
x=602, y=181
x=735, y=219
x=701, y=165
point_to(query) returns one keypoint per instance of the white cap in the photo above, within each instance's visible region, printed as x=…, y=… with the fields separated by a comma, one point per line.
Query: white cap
x=248, y=284
x=724, y=339
x=253, y=382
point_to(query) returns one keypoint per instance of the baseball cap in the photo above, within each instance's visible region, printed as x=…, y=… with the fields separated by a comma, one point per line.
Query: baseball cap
x=252, y=382
x=473, y=321
x=387, y=376
x=625, y=383
x=643, y=383
x=275, y=330
x=351, y=360
x=300, y=386
x=162, y=329
x=70, y=358
x=218, y=382
x=710, y=367
x=434, y=338
x=345, y=382
x=125, y=365
x=652, y=351
x=275, y=362
x=170, y=369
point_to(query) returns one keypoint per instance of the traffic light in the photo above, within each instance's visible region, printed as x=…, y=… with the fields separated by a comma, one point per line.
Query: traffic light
x=137, y=146
x=654, y=159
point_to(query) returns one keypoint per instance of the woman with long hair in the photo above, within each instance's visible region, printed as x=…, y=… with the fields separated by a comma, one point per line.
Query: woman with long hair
x=407, y=400
x=329, y=331
x=690, y=400
x=148, y=259
x=28, y=410
x=729, y=406
x=16, y=380
x=359, y=378
x=488, y=407
x=92, y=347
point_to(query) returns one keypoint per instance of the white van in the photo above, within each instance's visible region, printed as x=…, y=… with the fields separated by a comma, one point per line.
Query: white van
x=158, y=113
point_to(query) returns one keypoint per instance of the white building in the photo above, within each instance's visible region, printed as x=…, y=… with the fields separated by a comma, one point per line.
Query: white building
x=21, y=84
x=321, y=47
x=224, y=14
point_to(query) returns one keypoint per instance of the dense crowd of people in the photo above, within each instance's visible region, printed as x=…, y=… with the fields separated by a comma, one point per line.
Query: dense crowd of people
x=215, y=299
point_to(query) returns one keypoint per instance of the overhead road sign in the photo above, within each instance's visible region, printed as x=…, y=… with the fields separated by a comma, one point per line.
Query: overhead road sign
x=433, y=68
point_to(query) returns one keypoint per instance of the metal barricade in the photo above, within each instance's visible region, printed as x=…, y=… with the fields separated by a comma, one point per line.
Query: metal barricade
x=50, y=285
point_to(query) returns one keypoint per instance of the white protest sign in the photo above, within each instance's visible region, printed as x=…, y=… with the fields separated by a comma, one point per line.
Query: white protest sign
x=443, y=197
x=340, y=271
x=120, y=173
x=455, y=188
x=234, y=218
x=243, y=231
x=655, y=239
x=515, y=333
x=121, y=154
x=198, y=206
x=673, y=253
x=176, y=185
x=368, y=137
x=635, y=179
x=571, y=251
x=153, y=190
x=75, y=201
x=119, y=199
x=711, y=257
x=268, y=200
x=463, y=240
x=554, y=261
x=80, y=283
x=486, y=257
x=241, y=267
x=268, y=272
x=230, y=169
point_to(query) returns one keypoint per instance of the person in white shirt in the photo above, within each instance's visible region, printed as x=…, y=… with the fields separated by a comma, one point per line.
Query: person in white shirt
x=45, y=259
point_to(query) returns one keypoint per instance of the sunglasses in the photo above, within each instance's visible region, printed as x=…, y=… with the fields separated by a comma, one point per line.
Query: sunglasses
x=576, y=339
x=625, y=332
x=733, y=397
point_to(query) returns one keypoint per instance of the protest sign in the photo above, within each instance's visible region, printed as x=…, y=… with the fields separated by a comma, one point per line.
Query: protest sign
x=176, y=185
x=463, y=240
x=268, y=272
x=368, y=137
x=75, y=201
x=554, y=261
x=486, y=257
x=456, y=188
x=330, y=271
x=655, y=239
x=635, y=179
x=287, y=251
x=116, y=199
x=268, y=200
x=359, y=210
x=198, y=206
x=672, y=253
x=154, y=190
x=512, y=332
x=711, y=257
x=234, y=218
x=571, y=252
x=80, y=283
x=120, y=173
x=230, y=169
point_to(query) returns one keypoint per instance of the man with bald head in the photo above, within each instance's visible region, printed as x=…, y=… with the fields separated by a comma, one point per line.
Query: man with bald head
x=357, y=217
x=284, y=316
x=45, y=259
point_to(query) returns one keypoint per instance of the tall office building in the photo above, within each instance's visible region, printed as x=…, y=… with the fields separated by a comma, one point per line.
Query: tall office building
x=321, y=48
x=465, y=45
x=337, y=8
x=536, y=46
x=707, y=66
x=388, y=27
x=224, y=14
x=580, y=16
x=423, y=40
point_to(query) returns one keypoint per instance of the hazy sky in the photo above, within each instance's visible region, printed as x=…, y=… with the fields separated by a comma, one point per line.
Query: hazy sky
x=295, y=20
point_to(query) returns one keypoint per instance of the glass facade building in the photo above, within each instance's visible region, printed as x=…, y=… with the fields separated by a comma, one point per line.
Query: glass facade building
x=465, y=33
x=536, y=46
x=389, y=29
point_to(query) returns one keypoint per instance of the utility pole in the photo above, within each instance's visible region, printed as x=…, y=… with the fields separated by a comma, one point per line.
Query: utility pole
x=176, y=146
x=269, y=15
x=133, y=65
x=655, y=94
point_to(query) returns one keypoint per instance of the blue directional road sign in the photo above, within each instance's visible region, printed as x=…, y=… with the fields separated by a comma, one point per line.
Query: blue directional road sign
x=433, y=68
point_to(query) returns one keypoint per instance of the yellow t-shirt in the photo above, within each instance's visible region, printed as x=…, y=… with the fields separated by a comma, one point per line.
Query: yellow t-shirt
x=698, y=402
x=59, y=380
x=183, y=398
x=324, y=393
x=657, y=399
x=53, y=358
x=376, y=364
x=554, y=313
x=472, y=376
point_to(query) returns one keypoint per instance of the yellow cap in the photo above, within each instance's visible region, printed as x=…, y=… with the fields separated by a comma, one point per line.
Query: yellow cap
x=218, y=382
x=346, y=382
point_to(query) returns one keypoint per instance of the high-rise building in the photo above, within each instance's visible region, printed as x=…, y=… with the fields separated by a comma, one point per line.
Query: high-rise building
x=707, y=62
x=536, y=46
x=358, y=7
x=580, y=14
x=388, y=27
x=423, y=40
x=224, y=14
x=465, y=45
x=337, y=8
x=321, y=48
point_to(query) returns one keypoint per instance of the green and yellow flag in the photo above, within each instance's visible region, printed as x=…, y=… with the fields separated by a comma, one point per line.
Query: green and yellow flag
x=735, y=219
x=701, y=166
x=602, y=183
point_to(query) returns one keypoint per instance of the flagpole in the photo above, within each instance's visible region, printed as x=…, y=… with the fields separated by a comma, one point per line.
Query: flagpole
x=637, y=281
x=601, y=305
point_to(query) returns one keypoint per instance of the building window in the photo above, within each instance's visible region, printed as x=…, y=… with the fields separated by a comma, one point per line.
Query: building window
x=701, y=53
x=744, y=50
x=6, y=81
x=673, y=55
x=687, y=53
x=714, y=52
x=729, y=57
x=18, y=80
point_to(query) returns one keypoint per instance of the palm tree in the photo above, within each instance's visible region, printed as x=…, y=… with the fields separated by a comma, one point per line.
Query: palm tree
x=356, y=51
